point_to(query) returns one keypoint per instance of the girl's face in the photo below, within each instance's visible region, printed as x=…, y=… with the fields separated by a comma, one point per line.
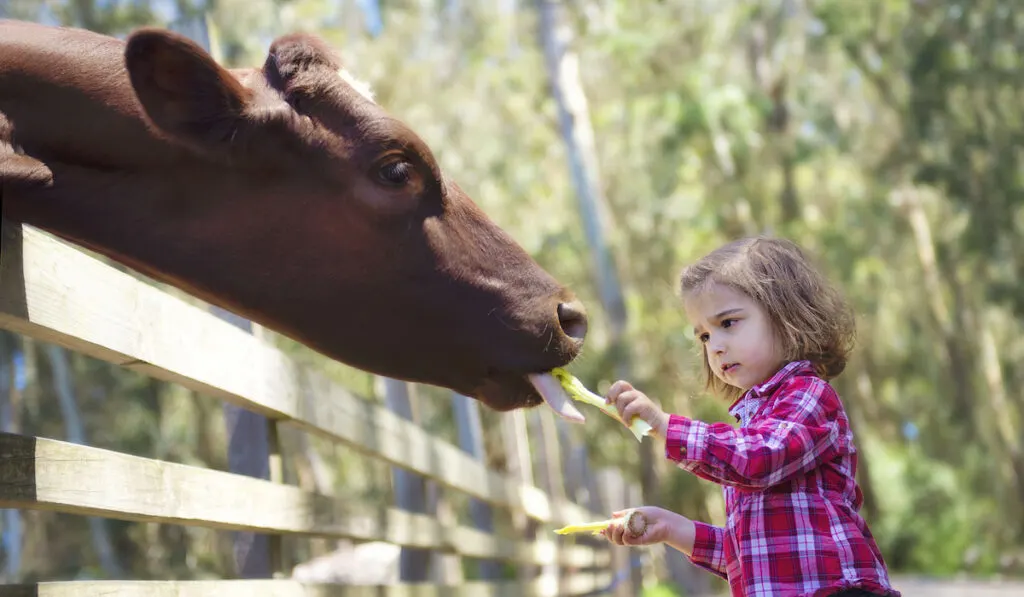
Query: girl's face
x=738, y=338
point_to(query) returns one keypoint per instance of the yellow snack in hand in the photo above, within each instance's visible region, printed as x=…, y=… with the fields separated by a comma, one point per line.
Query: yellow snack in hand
x=593, y=528
x=634, y=521
x=577, y=391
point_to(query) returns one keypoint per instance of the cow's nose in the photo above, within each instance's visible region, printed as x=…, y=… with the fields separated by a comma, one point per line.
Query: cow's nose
x=572, y=317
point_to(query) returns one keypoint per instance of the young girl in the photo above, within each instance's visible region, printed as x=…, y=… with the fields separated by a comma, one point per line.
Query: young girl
x=773, y=332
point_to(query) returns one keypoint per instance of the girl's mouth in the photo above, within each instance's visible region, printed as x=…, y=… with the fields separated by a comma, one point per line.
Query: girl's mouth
x=729, y=367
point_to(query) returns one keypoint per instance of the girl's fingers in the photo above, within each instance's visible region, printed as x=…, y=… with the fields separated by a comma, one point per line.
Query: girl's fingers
x=634, y=408
x=617, y=388
x=625, y=400
x=617, y=533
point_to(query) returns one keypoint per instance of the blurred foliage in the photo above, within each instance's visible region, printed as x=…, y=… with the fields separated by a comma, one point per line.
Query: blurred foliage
x=883, y=135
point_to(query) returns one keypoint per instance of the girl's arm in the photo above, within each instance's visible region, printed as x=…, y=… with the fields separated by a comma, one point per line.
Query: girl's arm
x=703, y=544
x=803, y=430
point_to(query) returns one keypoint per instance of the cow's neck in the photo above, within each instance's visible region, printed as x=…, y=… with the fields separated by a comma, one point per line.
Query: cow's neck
x=117, y=214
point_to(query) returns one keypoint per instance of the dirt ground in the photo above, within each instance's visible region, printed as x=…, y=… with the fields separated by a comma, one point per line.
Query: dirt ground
x=924, y=587
x=928, y=587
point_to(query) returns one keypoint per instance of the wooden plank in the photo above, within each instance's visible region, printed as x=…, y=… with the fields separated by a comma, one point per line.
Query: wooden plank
x=585, y=583
x=53, y=292
x=48, y=474
x=545, y=550
x=574, y=584
x=284, y=588
x=44, y=474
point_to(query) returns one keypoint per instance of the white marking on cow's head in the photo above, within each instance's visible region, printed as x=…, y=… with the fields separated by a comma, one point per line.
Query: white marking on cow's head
x=361, y=86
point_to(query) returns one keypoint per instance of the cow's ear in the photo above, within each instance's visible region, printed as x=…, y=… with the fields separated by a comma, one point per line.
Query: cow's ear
x=18, y=171
x=182, y=90
x=296, y=54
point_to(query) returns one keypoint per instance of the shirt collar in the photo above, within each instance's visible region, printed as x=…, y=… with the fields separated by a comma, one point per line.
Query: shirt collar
x=761, y=391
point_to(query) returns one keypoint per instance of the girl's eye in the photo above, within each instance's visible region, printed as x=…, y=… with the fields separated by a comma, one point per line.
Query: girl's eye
x=728, y=323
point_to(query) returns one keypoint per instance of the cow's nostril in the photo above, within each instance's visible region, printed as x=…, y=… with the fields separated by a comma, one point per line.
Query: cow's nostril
x=573, y=319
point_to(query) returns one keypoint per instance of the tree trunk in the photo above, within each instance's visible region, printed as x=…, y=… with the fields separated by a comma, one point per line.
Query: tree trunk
x=562, y=66
x=860, y=414
x=578, y=136
x=948, y=321
x=1002, y=415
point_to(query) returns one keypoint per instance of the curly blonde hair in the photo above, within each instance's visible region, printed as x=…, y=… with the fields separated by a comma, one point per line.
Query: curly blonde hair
x=809, y=316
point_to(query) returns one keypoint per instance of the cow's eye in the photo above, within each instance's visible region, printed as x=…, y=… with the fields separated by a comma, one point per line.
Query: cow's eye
x=395, y=172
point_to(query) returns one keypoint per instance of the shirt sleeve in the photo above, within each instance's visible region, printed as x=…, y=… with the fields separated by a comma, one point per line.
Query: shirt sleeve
x=801, y=431
x=709, y=549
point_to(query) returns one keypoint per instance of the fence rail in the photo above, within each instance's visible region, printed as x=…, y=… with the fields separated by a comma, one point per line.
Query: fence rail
x=284, y=588
x=51, y=291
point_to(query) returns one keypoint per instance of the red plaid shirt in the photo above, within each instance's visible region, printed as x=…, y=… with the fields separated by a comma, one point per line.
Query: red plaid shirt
x=792, y=523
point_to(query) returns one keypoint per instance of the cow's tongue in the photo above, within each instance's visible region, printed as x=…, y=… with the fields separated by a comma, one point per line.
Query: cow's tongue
x=553, y=393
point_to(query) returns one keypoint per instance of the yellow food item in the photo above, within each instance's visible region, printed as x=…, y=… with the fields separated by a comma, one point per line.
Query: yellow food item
x=577, y=391
x=593, y=528
x=634, y=520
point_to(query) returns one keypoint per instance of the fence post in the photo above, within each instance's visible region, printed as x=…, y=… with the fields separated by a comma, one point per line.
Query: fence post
x=63, y=386
x=471, y=440
x=519, y=466
x=581, y=485
x=253, y=450
x=615, y=495
x=9, y=419
x=552, y=482
x=252, y=438
x=410, y=488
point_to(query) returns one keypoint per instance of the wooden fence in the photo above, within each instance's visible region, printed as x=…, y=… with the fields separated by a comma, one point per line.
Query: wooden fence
x=55, y=293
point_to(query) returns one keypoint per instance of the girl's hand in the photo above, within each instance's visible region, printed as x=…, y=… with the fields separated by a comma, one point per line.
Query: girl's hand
x=631, y=402
x=650, y=525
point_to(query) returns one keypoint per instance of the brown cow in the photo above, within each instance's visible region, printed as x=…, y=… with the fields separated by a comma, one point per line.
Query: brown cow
x=281, y=193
